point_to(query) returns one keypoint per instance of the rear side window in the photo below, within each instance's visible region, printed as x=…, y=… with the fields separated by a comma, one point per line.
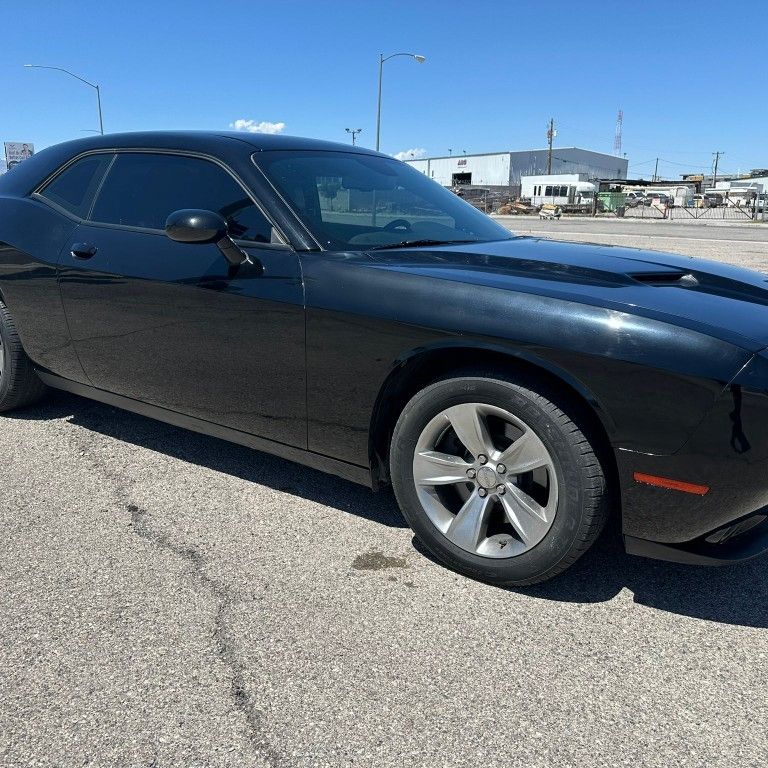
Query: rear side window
x=75, y=187
x=142, y=190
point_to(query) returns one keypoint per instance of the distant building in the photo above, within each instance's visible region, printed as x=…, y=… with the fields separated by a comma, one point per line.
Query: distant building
x=755, y=180
x=505, y=169
x=740, y=191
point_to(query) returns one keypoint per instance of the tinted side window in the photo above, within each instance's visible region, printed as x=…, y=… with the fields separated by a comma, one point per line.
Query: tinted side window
x=74, y=188
x=142, y=190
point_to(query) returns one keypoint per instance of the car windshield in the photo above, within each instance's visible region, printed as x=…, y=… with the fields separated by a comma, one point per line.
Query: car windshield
x=353, y=201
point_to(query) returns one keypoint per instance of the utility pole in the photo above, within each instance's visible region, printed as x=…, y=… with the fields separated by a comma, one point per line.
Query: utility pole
x=551, y=133
x=656, y=171
x=714, y=173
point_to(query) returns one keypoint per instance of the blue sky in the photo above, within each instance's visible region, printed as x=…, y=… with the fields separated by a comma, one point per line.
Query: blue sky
x=691, y=77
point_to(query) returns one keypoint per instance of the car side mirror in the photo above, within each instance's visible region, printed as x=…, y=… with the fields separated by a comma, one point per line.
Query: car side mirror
x=192, y=225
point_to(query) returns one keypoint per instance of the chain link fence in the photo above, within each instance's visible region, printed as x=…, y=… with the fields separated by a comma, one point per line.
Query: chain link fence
x=506, y=201
x=688, y=213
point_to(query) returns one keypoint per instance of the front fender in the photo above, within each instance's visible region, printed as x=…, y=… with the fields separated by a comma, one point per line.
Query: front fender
x=653, y=381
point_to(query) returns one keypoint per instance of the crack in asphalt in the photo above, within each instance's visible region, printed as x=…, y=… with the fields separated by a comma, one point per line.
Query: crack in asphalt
x=224, y=637
x=223, y=633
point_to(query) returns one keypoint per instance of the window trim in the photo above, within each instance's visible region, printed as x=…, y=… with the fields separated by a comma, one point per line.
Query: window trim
x=37, y=194
x=288, y=206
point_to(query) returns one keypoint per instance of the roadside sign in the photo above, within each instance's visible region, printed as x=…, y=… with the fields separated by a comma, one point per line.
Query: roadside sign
x=16, y=151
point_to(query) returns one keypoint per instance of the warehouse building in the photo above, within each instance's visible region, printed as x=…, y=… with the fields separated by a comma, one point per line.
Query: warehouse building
x=505, y=169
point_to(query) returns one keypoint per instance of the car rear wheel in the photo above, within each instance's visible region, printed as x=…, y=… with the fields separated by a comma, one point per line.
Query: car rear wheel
x=497, y=478
x=19, y=384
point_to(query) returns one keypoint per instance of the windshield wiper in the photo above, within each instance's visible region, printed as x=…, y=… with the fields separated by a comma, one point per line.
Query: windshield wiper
x=419, y=243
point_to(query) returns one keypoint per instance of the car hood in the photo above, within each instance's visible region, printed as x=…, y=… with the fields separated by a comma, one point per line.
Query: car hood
x=714, y=298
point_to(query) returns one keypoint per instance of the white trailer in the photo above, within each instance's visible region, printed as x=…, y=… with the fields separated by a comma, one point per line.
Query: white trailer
x=558, y=189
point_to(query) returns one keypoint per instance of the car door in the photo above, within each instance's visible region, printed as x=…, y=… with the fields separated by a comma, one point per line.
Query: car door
x=172, y=324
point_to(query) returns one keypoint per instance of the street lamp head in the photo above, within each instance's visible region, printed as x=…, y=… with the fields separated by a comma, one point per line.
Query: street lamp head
x=421, y=59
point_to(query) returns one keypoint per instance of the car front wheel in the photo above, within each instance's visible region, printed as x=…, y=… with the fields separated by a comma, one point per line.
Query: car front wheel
x=498, y=478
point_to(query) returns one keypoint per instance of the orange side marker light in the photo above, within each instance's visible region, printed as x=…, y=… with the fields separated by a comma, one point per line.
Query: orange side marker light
x=674, y=485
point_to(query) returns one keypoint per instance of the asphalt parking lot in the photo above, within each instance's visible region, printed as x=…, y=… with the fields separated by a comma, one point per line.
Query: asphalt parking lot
x=169, y=599
x=742, y=243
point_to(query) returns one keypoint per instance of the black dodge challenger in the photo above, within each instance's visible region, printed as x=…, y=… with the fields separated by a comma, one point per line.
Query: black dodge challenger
x=337, y=308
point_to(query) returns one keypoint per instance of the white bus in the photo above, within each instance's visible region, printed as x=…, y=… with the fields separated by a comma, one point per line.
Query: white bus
x=558, y=189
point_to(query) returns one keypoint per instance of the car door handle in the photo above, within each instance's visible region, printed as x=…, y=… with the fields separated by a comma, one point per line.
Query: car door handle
x=83, y=251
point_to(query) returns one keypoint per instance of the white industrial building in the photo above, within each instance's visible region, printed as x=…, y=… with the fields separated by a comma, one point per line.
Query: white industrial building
x=742, y=191
x=754, y=185
x=505, y=169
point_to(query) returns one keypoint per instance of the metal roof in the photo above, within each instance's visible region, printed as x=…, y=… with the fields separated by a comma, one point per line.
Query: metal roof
x=515, y=152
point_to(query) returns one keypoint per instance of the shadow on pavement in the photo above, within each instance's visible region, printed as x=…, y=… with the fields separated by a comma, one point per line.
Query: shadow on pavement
x=736, y=594
x=219, y=455
x=733, y=594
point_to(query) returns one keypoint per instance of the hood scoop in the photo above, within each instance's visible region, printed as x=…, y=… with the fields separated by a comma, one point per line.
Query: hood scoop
x=680, y=279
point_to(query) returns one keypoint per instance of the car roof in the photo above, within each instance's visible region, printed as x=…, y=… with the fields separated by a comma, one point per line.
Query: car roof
x=28, y=174
x=192, y=139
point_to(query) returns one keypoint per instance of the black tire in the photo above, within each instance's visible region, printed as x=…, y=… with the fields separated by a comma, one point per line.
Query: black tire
x=582, y=503
x=19, y=384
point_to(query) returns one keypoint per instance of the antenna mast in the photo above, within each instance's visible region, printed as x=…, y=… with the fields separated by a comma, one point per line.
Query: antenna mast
x=617, y=137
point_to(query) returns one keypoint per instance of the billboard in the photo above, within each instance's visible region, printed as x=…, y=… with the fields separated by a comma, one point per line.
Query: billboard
x=16, y=151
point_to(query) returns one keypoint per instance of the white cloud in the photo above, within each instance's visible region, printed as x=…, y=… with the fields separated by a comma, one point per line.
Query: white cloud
x=251, y=126
x=411, y=154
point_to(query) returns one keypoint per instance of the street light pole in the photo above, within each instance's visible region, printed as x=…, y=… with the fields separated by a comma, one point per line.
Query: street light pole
x=98, y=101
x=353, y=132
x=382, y=58
x=82, y=80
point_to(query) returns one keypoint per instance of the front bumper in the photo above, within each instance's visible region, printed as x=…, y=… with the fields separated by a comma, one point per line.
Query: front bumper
x=736, y=542
x=728, y=454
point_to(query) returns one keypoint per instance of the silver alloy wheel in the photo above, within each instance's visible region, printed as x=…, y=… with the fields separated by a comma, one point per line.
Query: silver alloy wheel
x=486, y=480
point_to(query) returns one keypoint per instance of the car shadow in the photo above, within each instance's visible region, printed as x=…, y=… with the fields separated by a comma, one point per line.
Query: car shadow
x=220, y=455
x=735, y=594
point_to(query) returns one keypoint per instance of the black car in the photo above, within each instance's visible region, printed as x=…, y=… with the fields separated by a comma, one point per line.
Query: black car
x=338, y=308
